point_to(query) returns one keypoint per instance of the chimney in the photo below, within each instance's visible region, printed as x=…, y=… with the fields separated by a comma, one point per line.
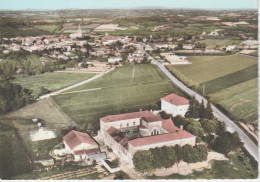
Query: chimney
x=140, y=110
x=151, y=110
x=181, y=127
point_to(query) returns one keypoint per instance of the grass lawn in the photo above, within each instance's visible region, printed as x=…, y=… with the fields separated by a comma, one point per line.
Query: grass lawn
x=115, y=91
x=51, y=81
x=13, y=161
x=219, y=170
x=211, y=43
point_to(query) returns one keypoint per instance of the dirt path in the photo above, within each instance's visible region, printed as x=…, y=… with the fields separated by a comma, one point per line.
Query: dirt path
x=237, y=104
x=75, y=85
x=250, y=114
x=133, y=75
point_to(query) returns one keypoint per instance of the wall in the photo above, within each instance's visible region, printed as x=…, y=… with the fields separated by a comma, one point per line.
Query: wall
x=182, y=142
x=173, y=109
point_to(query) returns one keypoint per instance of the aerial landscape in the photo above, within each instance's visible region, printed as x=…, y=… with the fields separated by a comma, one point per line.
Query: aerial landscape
x=135, y=90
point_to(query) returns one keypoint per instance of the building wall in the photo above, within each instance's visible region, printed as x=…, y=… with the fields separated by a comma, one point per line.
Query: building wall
x=85, y=146
x=118, y=124
x=173, y=109
x=182, y=142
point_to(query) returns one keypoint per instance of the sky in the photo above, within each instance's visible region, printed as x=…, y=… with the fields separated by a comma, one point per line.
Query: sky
x=126, y=4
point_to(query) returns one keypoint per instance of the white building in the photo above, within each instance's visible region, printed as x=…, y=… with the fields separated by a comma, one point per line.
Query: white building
x=231, y=48
x=82, y=146
x=174, y=104
x=114, y=59
x=130, y=132
x=77, y=34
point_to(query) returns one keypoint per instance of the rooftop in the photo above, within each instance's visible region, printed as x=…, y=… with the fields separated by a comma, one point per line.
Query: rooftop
x=175, y=99
x=181, y=134
x=75, y=138
x=141, y=114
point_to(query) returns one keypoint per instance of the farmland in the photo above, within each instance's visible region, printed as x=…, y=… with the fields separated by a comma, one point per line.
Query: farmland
x=13, y=161
x=51, y=81
x=212, y=43
x=129, y=87
x=14, y=32
x=51, y=28
x=229, y=80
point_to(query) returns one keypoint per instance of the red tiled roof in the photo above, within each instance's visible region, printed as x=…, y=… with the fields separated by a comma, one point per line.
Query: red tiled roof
x=176, y=99
x=152, y=118
x=140, y=114
x=169, y=126
x=182, y=134
x=89, y=151
x=75, y=138
x=118, y=136
x=142, y=126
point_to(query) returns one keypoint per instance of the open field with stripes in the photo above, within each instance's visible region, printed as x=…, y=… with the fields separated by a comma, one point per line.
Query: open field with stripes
x=128, y=88
x=229, y=80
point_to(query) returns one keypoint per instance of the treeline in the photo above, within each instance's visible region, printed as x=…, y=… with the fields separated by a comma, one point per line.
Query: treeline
x=13, y=96
x=166, y=157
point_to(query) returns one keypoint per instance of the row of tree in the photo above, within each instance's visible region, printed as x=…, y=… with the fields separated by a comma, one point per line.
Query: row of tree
x=198, y=110
x=13, y=96
x=166, y=157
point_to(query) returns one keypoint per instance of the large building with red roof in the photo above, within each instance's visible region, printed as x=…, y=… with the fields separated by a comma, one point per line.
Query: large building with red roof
x=174, y=104
x=130, y=132
x=81, y=145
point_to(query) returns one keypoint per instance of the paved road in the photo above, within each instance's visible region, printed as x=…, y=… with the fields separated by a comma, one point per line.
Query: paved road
x=75, y=85
x=231, y=126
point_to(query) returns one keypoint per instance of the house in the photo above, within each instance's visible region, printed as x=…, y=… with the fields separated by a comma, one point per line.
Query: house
x=114, y=59
x=230, y=47
x=188, y=46
x=42, y=134
x=213, y=33
x=174, y=59
x=162, y=46
x=174, y=104
x=130, y=132
x=82, y=146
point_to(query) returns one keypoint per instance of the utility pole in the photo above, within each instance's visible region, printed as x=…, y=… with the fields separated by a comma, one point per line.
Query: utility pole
x=203, y=89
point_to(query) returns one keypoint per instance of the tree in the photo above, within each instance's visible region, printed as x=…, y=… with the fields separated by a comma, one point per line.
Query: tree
x=196, y=129
x=209, y=126
x=202, y=109
x=143, y=161
x=153, y=107
x=164, y=115
x=200, y=152
x=179, y=120
x=193, y=110
x=187, y=153
x=208, y=114
x=227, y=142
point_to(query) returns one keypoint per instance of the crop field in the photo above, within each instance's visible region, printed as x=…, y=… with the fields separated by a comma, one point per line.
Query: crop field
x=229, y=80
x=14, y=32
x=130, y=87
x=13, y=160
x=51, y=81
x=212, y=43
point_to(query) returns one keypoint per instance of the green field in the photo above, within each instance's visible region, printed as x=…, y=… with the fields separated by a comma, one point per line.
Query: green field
x=51, y=81
x=115, y=91
x=229, y=80
x=212, y=43
x=52, y=28
x=219, y=170
x=14, y=32
x=13, y=160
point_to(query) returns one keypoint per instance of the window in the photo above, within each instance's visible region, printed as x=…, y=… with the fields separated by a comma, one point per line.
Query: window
x=121, y=125
x=133, y=123
x=127, y=124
